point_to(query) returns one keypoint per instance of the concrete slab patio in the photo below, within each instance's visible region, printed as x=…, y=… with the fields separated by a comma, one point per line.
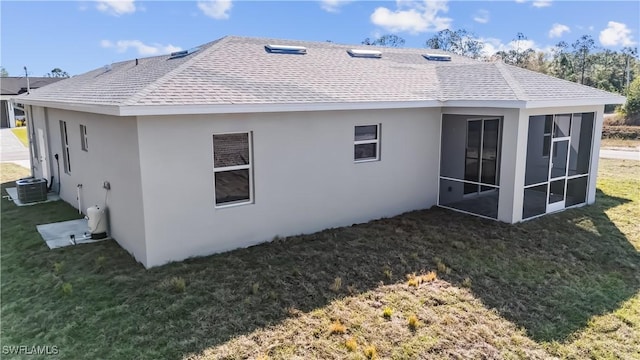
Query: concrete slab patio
x=66, y=233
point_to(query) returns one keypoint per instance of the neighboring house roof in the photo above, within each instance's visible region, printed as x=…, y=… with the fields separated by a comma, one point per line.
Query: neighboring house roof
x=17, y=85
x=237, y=74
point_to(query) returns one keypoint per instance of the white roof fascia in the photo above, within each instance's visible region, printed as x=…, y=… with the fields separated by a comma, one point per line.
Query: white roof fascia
x=90, y=108
x=147, y=110
x=229, y=108
x=611, y=100
x=509, y=104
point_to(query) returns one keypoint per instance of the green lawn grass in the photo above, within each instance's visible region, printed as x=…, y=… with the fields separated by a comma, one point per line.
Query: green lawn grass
x=21, y=134
x=565, y=285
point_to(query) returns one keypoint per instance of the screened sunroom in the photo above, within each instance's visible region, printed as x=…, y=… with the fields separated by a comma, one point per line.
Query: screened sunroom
x=517, y=166
x=470, y=164
x=558, y=161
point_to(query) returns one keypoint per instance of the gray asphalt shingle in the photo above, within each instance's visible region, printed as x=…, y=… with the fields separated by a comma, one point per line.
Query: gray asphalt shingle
x=238, y=70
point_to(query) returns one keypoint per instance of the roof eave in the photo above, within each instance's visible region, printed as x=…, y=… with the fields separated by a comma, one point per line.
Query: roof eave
x=609, y=100
x=508, y=104
x=90, y=108
x=230, y=108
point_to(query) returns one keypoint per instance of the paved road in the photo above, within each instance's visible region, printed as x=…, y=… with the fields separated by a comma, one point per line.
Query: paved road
x=12, y=150
x=613, y=153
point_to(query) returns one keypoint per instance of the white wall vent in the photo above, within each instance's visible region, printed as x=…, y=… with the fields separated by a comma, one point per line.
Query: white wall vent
x=285, y=49
x=365, y=53
x=437, y=57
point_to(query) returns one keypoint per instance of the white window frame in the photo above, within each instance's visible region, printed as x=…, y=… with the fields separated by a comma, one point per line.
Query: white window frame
x=64, y=140
x=373, y=141
x=84, y=144
x=248, y=166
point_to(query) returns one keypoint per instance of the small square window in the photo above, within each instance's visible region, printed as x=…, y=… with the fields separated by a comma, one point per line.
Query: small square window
x=367, y=143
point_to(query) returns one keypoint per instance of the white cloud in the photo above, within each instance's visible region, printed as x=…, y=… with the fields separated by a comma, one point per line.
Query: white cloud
x=142, y=48
x=482, y=17
x=116, y=7
x=558, y=29
x=537, y=3
x=541, y=3
x=493, y=45
x=333, y=5
x=413, y=16
x=616, y=34
x=216, y=9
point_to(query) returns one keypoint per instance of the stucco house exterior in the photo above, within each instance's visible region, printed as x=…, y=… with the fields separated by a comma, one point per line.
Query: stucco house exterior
x=243, y=139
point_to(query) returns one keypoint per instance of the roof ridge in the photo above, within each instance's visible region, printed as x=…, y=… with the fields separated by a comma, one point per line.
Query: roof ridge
x=161, y=80
x=511, y=81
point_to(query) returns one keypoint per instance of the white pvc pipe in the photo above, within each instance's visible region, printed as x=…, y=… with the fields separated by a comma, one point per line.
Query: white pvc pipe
x=79, y=201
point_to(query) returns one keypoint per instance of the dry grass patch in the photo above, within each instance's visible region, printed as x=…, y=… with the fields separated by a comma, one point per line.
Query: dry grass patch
x=370, y=352
x=337, y=328
x=564, y=285
x=351, y=344
x=11, y=172
x=620, y=143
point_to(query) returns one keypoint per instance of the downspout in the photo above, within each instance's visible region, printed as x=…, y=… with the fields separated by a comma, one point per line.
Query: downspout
x=58, y=163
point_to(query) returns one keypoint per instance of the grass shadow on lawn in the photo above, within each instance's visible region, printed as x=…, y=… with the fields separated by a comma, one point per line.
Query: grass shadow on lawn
x=549, y=276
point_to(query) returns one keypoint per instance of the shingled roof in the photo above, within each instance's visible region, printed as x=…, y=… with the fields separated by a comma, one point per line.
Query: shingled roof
x=11, y=85
x=236, y=74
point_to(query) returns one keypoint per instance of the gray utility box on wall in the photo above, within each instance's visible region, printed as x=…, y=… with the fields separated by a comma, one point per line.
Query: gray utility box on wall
x=31, y=190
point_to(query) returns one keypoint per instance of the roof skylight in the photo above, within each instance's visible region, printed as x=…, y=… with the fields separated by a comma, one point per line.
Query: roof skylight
x=286, y=49
x=365, y=53
x=437, y=57
x=183, y=53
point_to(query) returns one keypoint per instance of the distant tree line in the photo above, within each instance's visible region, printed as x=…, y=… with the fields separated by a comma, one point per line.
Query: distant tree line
x=56, y=72
x=581, y=61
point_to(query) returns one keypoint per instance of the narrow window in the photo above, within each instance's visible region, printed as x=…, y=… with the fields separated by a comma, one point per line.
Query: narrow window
x=83, y=138
x=65, y=147
x=232, y=169
x=367, y=143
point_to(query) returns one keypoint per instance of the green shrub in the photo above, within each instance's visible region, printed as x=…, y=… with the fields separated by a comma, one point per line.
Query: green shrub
x=67, y=289
x=413, y=322
x=387, y=312
x=178, y=284
x=351, y=344
x=100, y=262
x=370, y=352
x=631, y=108
x=58, y=266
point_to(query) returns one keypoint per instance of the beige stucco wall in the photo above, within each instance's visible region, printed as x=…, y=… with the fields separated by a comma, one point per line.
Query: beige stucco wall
x=161, y=172
x=112, y=156
x=304, y=176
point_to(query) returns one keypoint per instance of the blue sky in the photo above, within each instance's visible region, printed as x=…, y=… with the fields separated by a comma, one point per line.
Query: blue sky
x=78, y=36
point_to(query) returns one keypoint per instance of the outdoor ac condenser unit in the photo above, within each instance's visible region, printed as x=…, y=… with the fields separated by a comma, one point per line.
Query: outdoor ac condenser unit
x=31, y=190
